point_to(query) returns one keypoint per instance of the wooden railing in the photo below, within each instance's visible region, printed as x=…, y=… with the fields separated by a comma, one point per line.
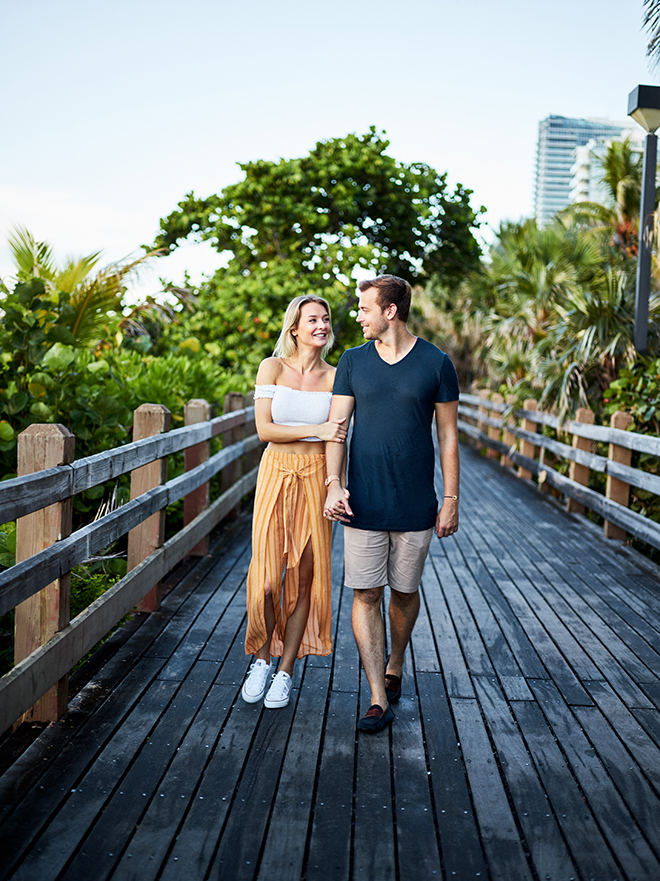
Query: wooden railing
x=47, y=643
x=516, y=436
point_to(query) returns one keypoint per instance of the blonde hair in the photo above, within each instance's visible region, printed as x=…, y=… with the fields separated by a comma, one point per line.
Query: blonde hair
x=287, y=345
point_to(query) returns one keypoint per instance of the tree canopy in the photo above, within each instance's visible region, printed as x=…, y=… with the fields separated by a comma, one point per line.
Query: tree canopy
x=347, y=203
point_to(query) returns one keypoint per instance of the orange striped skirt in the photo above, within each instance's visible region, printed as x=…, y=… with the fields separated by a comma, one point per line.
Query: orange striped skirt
x=288, y=513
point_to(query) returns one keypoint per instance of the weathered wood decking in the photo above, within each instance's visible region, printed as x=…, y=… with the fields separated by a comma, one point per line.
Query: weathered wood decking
x=526, y=745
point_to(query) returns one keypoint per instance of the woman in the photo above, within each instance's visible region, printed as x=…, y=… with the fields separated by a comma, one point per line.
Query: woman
x=289, y=617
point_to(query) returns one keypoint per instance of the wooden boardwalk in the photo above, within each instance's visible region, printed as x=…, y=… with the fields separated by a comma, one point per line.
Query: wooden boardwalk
x=526, y=744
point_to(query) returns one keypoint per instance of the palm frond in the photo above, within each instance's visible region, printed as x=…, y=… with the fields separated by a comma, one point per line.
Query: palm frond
x=75, y=272
x=33, y=259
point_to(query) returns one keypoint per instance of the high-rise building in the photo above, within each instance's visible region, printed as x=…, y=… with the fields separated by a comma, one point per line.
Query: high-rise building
x=559, y=137
x=587, y=181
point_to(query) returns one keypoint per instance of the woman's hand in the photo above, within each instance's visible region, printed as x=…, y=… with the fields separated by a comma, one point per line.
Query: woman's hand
x=333, y=431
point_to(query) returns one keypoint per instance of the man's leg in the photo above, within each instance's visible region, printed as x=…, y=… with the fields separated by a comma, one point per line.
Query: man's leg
x=370, y=638
x=403, y=609
x=408, y=552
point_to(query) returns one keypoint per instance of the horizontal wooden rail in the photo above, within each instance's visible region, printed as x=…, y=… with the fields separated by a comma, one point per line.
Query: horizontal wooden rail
x=31, y=678
x=474, y=408
x=23, y=495
x=25, y=579
x=636, y=524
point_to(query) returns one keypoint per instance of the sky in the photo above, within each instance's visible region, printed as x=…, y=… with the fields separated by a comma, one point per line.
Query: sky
x=113, y=110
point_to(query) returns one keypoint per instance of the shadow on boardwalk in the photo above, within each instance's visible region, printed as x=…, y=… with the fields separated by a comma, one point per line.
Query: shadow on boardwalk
x=526, y=745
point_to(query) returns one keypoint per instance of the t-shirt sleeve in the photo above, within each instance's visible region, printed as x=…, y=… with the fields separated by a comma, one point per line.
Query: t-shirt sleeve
x=342, y=384
x=448, y=385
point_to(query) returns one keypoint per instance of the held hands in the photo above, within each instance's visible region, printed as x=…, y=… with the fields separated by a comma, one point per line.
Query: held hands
x=333, y=431
x=446, y=523
x=336, y=503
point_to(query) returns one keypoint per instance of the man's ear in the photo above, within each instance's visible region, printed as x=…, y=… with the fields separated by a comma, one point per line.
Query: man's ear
x=391, y=311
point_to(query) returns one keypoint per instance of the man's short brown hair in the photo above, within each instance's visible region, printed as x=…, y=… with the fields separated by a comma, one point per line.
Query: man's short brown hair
x=391, y=289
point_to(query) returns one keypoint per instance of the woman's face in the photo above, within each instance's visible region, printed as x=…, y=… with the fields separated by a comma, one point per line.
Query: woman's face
x=314, y=326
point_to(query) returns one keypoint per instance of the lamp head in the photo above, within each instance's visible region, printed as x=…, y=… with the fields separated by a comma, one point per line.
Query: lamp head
x=644, y=107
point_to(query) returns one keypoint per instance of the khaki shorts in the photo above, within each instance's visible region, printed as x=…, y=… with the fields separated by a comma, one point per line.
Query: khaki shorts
x=374, y=559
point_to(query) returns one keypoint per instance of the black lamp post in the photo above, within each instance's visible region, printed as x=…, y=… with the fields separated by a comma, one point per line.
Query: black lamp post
x=644, y=107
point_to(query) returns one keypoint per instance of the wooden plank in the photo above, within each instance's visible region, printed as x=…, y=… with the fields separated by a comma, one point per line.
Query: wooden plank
x=549, y=636
x=329, y=854
x=245, y=828
x=587, y=845
x=615, y=820
x=549, y=854
x=501, y=657
x=23, y=495
x=452, y=660
x=110, y=762
x=644, y=771
x=373, y=849
x=106, y=824
x=28, y=680
x=36, y=794
x=501, y=842
x=417, y=841
x=284, y=849
x=460, y=843
x=147, y=847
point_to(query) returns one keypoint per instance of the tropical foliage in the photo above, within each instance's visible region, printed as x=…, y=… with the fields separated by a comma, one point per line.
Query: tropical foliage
x=303, y=226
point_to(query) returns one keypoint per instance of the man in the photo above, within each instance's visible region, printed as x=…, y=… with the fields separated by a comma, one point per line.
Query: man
x=392, y=386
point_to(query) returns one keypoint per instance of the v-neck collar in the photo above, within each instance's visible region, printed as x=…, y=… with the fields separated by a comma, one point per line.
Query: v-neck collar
x=401, y=360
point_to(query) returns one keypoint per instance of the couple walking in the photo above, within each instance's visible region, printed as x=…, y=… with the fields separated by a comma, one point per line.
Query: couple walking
x=391, y=386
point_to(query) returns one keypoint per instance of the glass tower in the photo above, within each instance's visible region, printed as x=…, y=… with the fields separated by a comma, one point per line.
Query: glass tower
x=555, y=156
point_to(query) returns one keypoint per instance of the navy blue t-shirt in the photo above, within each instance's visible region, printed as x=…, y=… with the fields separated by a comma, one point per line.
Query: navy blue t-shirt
x=391, y=461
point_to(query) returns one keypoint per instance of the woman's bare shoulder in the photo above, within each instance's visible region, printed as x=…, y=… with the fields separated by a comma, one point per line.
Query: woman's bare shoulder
x=269, y=371
x=329, y=375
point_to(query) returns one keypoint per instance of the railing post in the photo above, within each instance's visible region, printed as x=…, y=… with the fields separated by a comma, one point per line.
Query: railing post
x=494, y=433
x=526, y=448
x=580, y=473
x=41, y=616
x=508, y=439
x=197, y=410
x=618, y=490
x=234, y=471
x=149, y=419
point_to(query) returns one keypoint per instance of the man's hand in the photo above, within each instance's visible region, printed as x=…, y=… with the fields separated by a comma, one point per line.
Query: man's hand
x=336, y=503
x=446, y=523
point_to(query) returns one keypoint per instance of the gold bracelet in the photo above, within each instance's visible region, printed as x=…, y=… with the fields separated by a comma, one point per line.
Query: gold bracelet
x=332, y=477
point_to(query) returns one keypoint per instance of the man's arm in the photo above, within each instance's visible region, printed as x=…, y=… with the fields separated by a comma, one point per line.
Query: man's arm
x=446, y=423
x=336, y=504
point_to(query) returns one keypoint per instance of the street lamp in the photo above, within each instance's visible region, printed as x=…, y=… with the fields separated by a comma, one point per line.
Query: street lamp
x=644, y=107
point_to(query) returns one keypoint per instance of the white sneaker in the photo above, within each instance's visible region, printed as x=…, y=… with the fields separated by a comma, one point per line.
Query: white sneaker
x=255, y=684
x=278, y=693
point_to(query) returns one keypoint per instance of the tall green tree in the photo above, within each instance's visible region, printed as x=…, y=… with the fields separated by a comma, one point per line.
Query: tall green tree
x=347, y=202
x=302, y=226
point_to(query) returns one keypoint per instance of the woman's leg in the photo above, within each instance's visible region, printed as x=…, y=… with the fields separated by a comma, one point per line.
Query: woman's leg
x=269, y=617
x=295, y=626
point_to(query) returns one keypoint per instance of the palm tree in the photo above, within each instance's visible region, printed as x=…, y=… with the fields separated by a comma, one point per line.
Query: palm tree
x=94, y=302
x=617, y=222
x=652, y=24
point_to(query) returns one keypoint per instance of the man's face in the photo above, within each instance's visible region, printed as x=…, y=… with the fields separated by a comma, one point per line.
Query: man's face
x=370, y=316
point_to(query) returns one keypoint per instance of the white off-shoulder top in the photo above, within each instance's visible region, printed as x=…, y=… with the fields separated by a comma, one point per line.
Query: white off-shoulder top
x=292, y=406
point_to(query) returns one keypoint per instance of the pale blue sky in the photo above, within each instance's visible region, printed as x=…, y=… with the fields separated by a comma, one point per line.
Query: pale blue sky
x=112, y=110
